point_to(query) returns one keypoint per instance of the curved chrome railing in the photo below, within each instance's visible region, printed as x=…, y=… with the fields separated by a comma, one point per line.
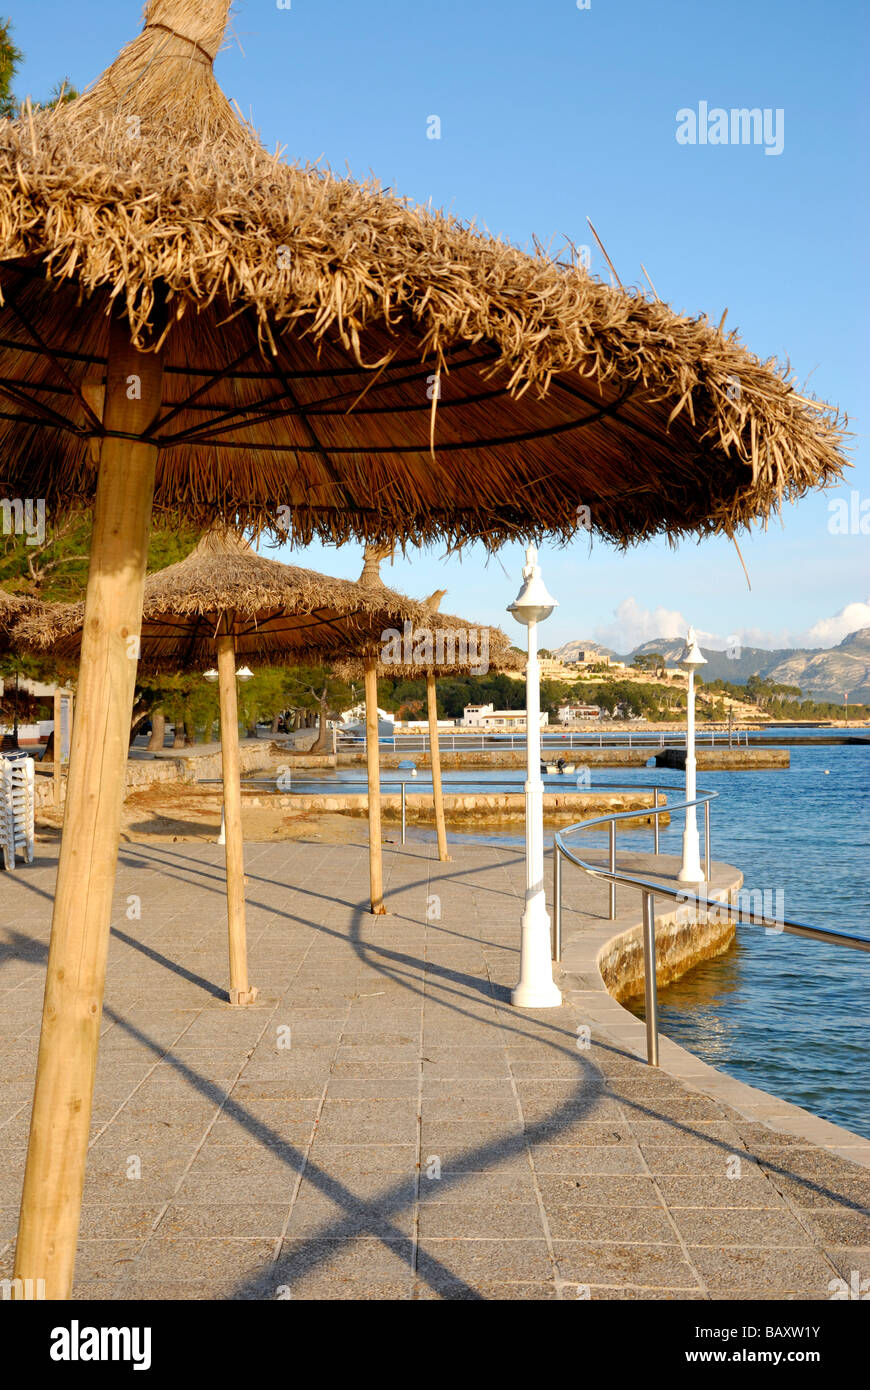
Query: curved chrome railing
x=650, y=887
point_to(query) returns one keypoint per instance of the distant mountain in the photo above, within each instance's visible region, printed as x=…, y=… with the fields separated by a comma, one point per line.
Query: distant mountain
x=568, y=651
x=823, y=674
x=827, y=674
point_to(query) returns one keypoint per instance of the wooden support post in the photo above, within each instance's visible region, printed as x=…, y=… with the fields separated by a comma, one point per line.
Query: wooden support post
x=435, y=755
x=60, y=1125
x=240, y=990
x=56, y=740
x=373, y=763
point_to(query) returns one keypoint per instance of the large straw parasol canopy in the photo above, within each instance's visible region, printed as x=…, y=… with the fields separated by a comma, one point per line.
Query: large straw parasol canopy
x=335, y=355
x=272, y=611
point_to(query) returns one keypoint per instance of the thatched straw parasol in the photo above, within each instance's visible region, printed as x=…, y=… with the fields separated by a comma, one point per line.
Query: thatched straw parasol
x=442, y=646
x=185, y=320
x=225, y=599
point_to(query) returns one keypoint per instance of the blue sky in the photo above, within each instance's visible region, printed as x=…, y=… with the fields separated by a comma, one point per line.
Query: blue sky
x=550, y=114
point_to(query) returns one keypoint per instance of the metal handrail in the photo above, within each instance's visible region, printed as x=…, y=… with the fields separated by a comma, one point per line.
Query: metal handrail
x=650, y=887
x=466, y=740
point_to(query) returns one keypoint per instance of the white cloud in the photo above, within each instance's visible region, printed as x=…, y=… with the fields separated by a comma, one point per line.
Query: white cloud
x=634, y=625
x=827, y=632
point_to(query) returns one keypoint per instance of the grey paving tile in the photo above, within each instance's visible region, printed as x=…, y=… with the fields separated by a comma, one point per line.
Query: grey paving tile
x=595, y=1190
x=641, y=1225
x=838, y=1226
x=740, y=1226
x=474, y=1261
x=312, y=1267
x=487, y=1291
x=248, y=1220
x=769, y=1271
x=637, y=1265
x=481, y=1220
x=709, y=1191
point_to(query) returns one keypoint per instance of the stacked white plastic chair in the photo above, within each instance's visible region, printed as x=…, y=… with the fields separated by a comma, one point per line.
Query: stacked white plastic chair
x=16, y=807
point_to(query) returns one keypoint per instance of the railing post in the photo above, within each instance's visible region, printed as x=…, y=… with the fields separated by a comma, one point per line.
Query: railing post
x=403, y=813
x=612, y=870
x=651, y=1003
x=557, y=902
x=656, y=818
x=707, y=842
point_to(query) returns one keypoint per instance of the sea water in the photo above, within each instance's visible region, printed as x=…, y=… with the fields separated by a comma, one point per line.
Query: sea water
x=788, y=1015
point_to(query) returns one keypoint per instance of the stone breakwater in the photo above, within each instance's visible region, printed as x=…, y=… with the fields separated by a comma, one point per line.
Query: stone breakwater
x=182, y=765
x=725, y=759
x=476, y=808
x=464, y=759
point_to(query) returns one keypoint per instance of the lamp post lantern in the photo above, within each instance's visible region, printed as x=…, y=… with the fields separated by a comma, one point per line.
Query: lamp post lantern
x=690, y=870
x=535, y=989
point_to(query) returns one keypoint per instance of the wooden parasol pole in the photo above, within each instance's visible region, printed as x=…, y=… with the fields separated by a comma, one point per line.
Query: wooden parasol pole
x=240, y=990
x=373, y=763
x=75, y=976
x=435, y=755
x=56, y=736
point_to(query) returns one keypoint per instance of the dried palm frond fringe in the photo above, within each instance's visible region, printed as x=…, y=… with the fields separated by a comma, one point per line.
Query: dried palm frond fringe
x=277, y=613
x=311, y=321
x=13, y=609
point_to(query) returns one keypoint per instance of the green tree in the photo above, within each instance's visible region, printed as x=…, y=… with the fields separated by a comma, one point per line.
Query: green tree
x=315, y=688
x=16, y=705
x=10, y=57
x=263, y=698
x=55, y=568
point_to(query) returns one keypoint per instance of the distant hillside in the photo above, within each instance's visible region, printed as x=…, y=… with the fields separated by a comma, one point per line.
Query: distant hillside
x=568, y=651
x=824, y=674
x=829, y=673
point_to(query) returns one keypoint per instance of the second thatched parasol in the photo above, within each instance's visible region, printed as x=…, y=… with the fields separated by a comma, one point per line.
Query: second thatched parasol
x=225, y=599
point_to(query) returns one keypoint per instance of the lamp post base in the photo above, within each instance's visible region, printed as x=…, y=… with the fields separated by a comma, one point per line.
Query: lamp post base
x=536, y=989
x=528, y=998
x=691, y=870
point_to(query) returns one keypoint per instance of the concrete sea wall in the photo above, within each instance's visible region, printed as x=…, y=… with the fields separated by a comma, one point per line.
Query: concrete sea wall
x=683, y=939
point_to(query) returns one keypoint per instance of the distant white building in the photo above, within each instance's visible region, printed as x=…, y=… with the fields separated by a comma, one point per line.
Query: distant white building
x=587, y=656
x=486, y=717
x=569, y=714
x=358, y=712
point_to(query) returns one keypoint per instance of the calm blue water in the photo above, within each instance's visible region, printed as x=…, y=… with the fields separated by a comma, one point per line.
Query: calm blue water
x=789, y=1016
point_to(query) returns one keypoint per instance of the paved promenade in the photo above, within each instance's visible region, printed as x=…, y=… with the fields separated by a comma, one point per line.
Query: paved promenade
x=382, y=1124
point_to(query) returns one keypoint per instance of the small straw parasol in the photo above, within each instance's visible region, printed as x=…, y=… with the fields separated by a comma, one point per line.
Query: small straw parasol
x=188, y=322
x=443, y=646
x=227, y=600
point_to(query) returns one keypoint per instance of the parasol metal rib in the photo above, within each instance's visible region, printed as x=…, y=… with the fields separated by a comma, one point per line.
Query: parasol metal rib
x=92, y=415
x=46, y=415
x=202, y=390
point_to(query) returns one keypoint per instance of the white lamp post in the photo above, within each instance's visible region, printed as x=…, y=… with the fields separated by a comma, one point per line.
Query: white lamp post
x=536, y=989
x=690, y=870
